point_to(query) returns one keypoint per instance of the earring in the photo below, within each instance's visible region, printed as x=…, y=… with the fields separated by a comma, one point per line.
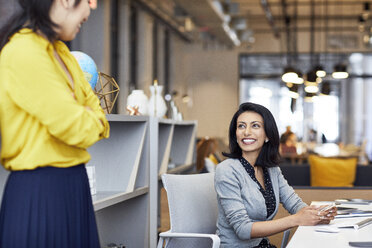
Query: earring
x=266, y=140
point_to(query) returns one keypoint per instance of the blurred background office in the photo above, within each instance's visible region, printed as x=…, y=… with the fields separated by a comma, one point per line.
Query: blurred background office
x=210, y=56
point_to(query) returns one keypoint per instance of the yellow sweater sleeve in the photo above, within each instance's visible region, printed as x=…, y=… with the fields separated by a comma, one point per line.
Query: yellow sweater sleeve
x=35, y=85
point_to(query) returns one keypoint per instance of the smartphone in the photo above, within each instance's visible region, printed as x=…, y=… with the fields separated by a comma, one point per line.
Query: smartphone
x=360, y=243
x=326, y=208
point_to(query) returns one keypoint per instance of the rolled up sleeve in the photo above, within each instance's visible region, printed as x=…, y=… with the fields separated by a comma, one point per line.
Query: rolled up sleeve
x=288, y=197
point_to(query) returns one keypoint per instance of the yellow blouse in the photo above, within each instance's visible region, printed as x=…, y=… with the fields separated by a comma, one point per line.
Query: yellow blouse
x=41, y=122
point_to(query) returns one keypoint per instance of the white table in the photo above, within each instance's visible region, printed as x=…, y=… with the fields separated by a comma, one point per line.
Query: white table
x=307, y=237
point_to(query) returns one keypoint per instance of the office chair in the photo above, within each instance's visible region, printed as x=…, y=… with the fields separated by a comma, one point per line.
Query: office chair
x=285, y=238
x=193, y=211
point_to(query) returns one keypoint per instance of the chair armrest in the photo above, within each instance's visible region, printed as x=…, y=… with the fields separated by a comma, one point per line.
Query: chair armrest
x=215, y=239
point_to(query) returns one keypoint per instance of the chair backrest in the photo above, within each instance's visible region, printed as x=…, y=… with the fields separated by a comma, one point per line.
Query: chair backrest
x=192, y=202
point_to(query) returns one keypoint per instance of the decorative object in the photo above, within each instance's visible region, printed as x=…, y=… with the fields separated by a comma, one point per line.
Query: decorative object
x=174, y=110
x=107, y=91
x=157, y=106
x=133, y=110
x=88, y=66
x=138, y=99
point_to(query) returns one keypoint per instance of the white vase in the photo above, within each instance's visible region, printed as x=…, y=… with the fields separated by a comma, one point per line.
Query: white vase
x=139, y=99
x=157, y=106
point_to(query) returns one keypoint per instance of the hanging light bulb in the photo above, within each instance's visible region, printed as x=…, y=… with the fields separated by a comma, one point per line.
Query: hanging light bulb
x=311, y=85
x=340, y=71
x=361, y=23
x=289, y=74
x=366, y=9
x=311, y=76
x=320, y=72
x=293, y=91
x=310, y=97
x=299, y=79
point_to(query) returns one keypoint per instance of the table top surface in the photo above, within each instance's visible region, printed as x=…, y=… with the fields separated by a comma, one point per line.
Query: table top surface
x=307, y=237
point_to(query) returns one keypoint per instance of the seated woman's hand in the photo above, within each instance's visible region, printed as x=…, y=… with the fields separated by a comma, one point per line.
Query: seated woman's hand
x=311, y=215
x=327, y=215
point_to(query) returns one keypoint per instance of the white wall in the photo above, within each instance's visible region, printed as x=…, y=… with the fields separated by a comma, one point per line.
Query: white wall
x=210, y=77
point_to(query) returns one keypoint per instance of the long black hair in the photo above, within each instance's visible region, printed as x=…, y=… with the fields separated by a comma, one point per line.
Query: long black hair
x=269, y=155
x=33, y=14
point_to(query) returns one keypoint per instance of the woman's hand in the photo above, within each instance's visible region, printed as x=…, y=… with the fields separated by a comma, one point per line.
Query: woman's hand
x=311, y=215
x=328, y=215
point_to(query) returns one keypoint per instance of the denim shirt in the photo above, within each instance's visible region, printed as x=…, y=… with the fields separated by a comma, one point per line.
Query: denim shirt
x=240, y=202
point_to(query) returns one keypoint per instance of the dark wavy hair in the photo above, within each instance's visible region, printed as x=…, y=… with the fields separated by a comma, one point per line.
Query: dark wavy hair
x=269, y=155
x=33, y=14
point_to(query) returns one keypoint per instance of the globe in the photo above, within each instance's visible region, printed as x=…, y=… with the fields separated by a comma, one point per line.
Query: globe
x=88, y=66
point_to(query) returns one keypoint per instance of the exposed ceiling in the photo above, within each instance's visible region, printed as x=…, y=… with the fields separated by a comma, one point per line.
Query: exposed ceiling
x=247, y=18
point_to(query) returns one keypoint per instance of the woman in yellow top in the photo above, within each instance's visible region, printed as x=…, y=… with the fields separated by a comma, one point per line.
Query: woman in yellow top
x=49, y=116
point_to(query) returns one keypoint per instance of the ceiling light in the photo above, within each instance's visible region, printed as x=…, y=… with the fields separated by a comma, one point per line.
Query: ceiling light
x=319, y=70
x=293, y=91
x=299, y=79
x=289, y=75
x=309, y=97
x=293, y=95
x=326, y=88
x=311, y=87
x=362, y=23
x=366, y=10
x=311, y=77
x=340, y=72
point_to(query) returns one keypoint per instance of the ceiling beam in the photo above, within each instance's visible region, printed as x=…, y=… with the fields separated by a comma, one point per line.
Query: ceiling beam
x=318, y=3
x=269, y=17
x=308, y=29
x=303, y=17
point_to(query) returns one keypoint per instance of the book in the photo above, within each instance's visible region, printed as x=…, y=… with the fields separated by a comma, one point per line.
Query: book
x=353, y=201
x=356, y=224
x=344, y=212
x=349, y=223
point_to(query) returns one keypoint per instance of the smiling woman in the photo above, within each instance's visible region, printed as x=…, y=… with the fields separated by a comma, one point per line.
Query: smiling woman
x=250, y=185
x=49, y=116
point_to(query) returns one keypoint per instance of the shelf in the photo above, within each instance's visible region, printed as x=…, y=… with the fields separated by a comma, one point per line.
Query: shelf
x=183, y=143
x=126, y=118
x=119, y=161
x=105, y=199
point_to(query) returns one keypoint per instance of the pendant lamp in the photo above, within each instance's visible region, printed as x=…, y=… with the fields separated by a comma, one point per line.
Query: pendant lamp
x=319, y=70
x=289, y=74
x=340, y=72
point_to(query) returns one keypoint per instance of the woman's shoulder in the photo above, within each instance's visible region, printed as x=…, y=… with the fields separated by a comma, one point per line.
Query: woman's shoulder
x=274, y=170
x=25, y=44
x=227, y=166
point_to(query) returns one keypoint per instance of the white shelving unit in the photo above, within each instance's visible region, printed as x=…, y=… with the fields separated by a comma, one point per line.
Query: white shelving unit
x=175, y=146
x=122, y=182
x=127, y=169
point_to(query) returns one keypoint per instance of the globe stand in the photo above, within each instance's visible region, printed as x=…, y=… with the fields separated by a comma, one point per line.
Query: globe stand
x=107, y=91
